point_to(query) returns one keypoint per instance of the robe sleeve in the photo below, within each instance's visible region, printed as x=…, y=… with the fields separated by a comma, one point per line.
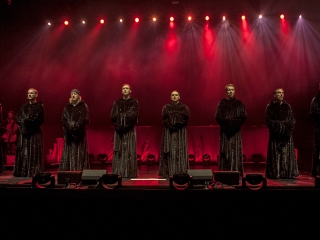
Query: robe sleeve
x=281, y=127
x=315, y=111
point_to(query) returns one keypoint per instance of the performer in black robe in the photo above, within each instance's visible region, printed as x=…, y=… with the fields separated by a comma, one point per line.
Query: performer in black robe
x=315, y=115
x=124, y=116
x=29, y=147
x=75, y=119
x=281, y=158
x=230, y=115
x=174, y=144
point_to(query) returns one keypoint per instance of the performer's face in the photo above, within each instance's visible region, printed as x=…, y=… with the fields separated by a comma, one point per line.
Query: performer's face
x=32, y=94
x=230, y=92
x=279, y=95
x=175, y=97
x=75, y=96
x=10, y=115
x=126, y=90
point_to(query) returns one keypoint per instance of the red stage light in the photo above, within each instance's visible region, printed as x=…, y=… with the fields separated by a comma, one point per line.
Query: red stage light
x=260, y=16
x=243, y=17
x=224, y=18
x=300, y=16
x=171, y=19
x=189, y=18
x=282, y=16
x=66, y=23
x=49, y=23
x=136, y=20
x=121, y=20
x=207, y=18
x=154, y=19
x=101, y=21
x=83, y=22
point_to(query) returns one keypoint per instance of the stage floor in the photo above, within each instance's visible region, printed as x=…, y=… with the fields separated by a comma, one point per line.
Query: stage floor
x=148, y=177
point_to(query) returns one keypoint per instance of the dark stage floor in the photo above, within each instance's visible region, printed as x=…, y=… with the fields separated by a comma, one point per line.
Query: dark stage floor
x=146, y=208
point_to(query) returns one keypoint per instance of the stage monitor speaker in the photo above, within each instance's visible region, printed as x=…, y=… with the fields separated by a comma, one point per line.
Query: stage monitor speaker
x=230, y=178
x=92, y=176
x=200, y=176
x=69, y=177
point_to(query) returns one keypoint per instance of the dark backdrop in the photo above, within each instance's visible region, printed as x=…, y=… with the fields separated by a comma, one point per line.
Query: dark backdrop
x=197, y=58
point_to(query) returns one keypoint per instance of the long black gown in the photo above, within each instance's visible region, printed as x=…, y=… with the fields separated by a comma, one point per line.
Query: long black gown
x=281, y=158
x=315, y=115
x=174, y=144
x=29, y=147
x=230, y=115
x=75, y=155
x=124, y=116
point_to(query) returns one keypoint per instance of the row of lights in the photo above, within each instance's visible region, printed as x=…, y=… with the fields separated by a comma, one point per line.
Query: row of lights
x=154, y=19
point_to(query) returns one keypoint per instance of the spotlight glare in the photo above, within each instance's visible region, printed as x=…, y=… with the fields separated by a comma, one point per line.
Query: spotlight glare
x=154, y=19
x=189, y=18
x=260, y=16
x=207, y=18
x=121, y=20
x=243, y=17
x=171, y=19
x=101, y=21
x=136, y=20
x=282, y=16
x=83, y=22
x=49, y=23
x=300, y=16
x=224, y=18
x=66, y=23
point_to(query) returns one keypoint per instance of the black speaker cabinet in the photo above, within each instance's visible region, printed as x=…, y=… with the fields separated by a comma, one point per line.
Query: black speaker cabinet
x=230, y=178
x=200, y=176
x=69, y=177
x=92, y=176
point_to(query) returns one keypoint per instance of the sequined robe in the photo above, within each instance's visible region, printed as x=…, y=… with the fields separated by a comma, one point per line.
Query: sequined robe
x=75, y=155
x=29, y=146
x=174, y=144
x=315, y=115
x=281, y=159
x=124, y=116
x=230, y=115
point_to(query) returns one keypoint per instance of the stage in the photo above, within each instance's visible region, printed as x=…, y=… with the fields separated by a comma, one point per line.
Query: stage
x=146, y=207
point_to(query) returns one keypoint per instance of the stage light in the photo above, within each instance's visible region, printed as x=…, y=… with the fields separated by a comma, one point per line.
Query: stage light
x=83, y=22
x=138, y=158
x=121, y=20
x=181, y=181
x=206, y=158
x=102, y=157
x=91, y=157
x=154, y=19
x=136, y=20
x=101, y=21
x=256, y=158
x=260, y=16
x=189, y=18
x=66, y=23
x=282, y=16
x=49, y=23
x=207, y=18
x=254, y=181
x=151, y=159
x=191, y=158
x=171, y=19
x=300, y=16
x=243, y=17
x=110, y=181
x=223, y=18
x=41, y=180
